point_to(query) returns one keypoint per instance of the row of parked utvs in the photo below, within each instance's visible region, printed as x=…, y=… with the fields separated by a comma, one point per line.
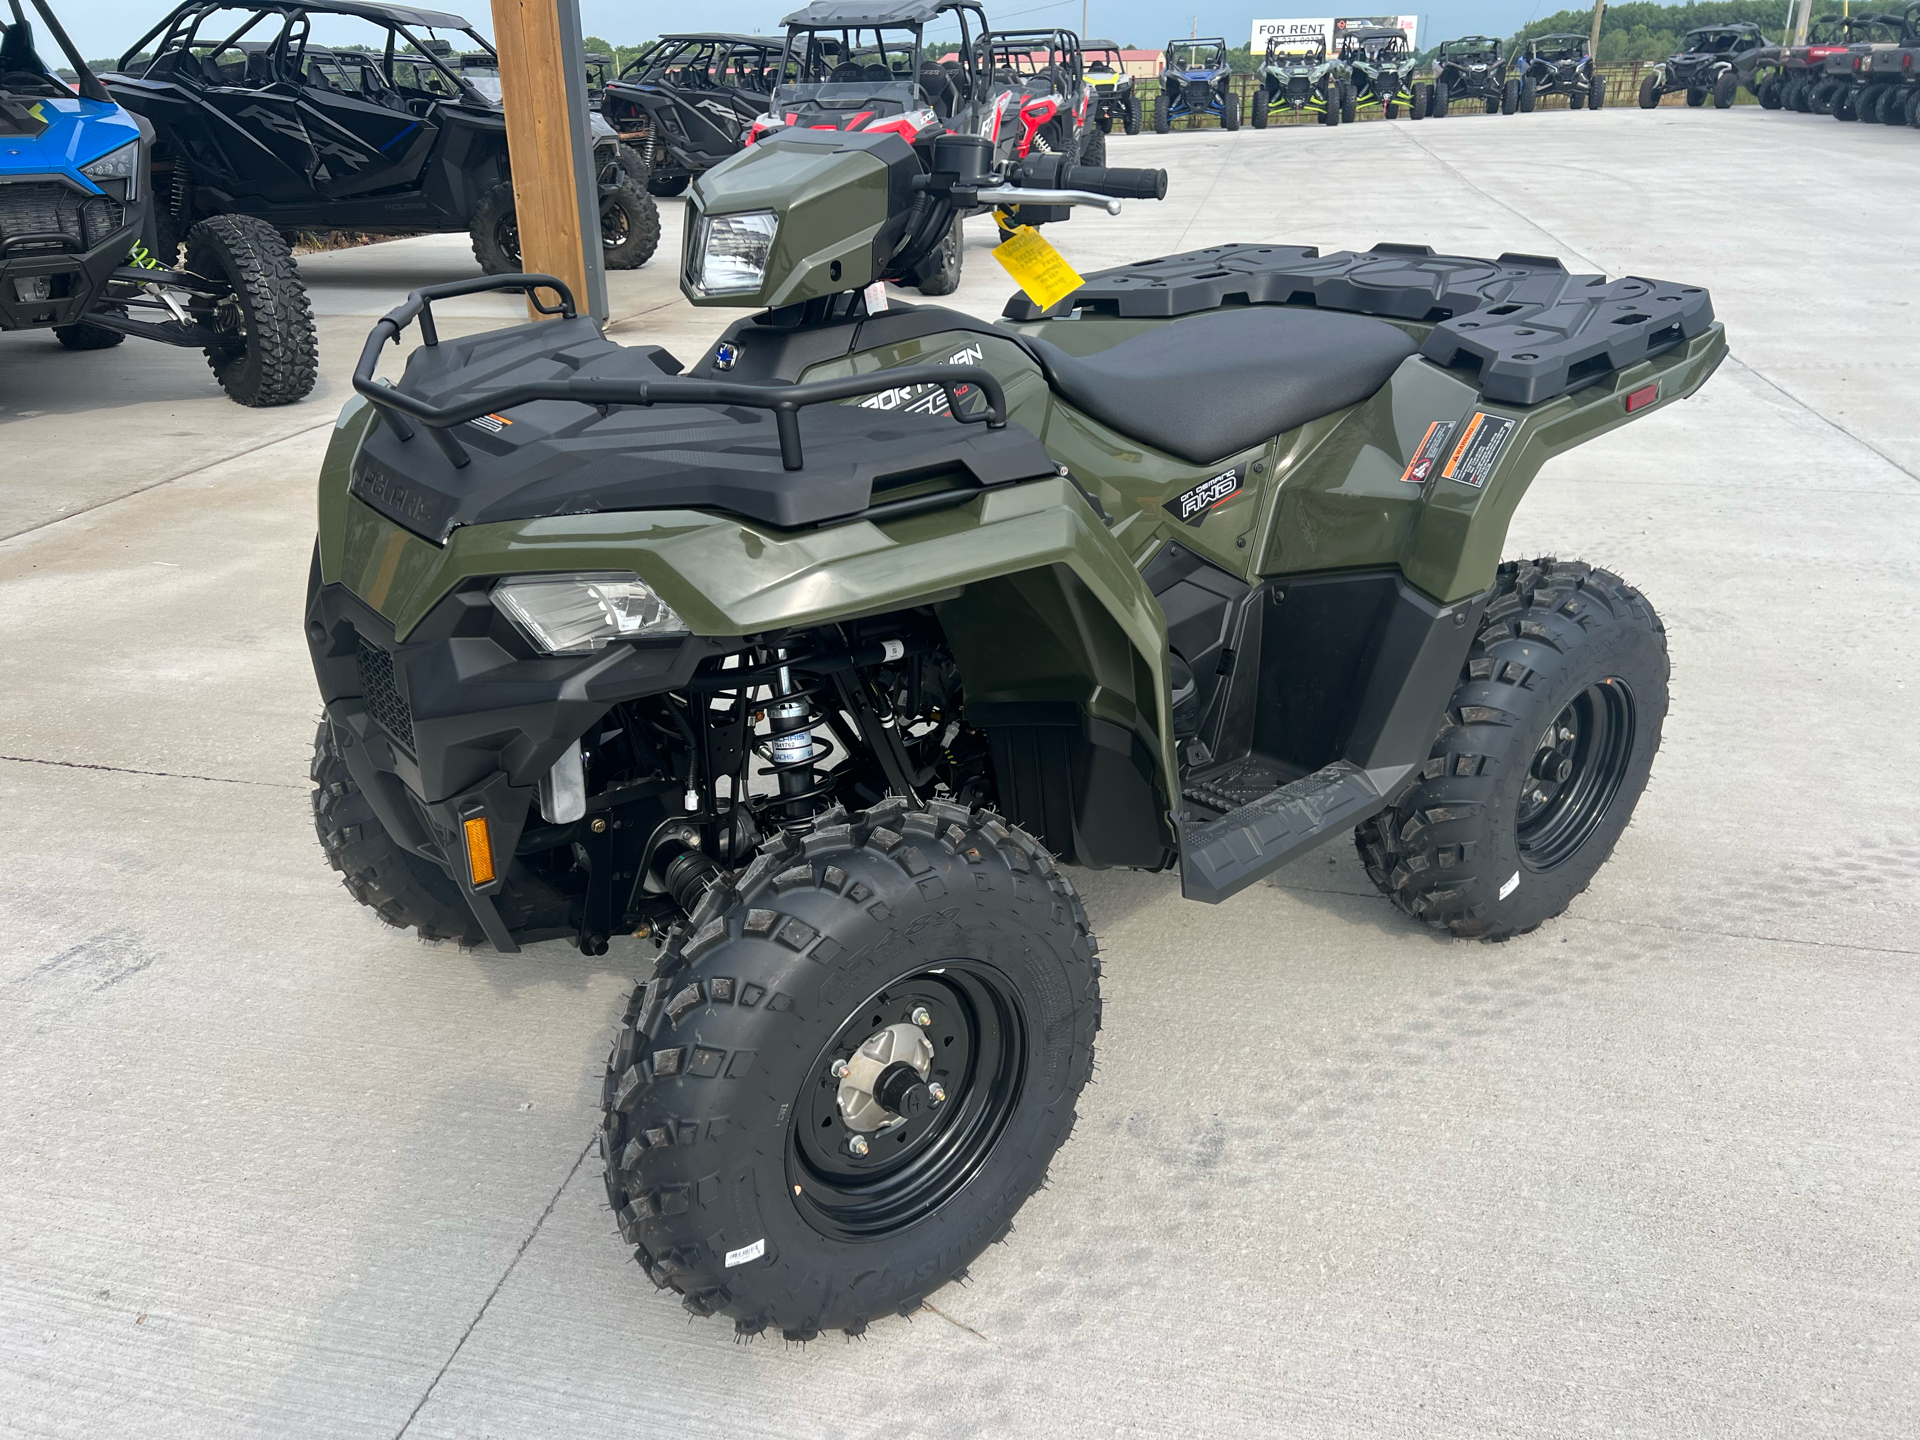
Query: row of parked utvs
x=1373, y=70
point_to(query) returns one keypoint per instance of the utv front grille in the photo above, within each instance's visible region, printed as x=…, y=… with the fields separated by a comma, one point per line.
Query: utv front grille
x=46, y=216
x=389, y=711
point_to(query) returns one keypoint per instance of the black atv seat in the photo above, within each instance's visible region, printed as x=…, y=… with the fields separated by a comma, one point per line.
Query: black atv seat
x=1218, y=383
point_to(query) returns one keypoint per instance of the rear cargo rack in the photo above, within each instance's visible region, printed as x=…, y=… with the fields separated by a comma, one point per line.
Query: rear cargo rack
x=785, y=401
x=1524, y=328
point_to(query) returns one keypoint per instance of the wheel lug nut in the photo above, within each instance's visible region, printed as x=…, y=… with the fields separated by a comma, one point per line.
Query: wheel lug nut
x=921, y=1016
x=937, y=1093
x=839, y=1069
x=857, y=1145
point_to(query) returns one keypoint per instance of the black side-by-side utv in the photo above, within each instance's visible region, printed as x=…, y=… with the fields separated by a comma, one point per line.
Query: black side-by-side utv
x=384, y=132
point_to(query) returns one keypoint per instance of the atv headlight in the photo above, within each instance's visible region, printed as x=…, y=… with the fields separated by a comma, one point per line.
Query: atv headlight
x=730, y=252
x=121, y=164
x=578, y=614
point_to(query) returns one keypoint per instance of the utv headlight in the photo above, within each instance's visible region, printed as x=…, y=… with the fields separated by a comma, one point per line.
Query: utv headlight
x=578, y=614
x=730, y=252
x=121, y=164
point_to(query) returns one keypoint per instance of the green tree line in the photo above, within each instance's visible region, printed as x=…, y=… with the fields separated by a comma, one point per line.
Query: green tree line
x=1642, y=31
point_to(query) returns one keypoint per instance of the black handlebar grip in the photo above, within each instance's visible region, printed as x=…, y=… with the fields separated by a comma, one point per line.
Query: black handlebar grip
x=1122, y=184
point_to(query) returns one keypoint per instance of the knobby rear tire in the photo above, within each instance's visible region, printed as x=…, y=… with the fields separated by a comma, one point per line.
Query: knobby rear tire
x=1449, y=852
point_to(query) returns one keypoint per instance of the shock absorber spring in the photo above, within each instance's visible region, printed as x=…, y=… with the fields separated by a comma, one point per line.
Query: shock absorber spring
x=791, y=748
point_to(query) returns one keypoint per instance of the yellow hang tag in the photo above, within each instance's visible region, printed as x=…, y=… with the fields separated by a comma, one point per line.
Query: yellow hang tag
x=1036, y=267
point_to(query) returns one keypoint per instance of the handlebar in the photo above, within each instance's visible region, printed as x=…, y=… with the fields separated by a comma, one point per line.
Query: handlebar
x=1053, y=172
x=785, y=401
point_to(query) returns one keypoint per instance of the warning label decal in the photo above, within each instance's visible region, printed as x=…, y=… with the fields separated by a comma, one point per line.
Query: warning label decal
x=1432, y=445
x=1472, y=459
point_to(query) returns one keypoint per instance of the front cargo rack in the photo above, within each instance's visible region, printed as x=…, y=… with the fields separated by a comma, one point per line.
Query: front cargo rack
x=1523, y=326
x=785, y=401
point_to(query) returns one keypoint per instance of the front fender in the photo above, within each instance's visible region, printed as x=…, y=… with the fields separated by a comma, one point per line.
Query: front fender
x=1041, y=603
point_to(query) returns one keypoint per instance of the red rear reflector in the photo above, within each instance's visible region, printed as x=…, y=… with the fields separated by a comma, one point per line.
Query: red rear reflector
x=1643, y=397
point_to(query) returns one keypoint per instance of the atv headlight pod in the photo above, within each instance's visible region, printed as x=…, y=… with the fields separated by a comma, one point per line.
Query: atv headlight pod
x=121, y=164
x=730, y=252
x=578, y=614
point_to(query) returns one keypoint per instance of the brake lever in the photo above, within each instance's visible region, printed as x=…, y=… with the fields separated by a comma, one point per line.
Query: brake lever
x=1014, y=195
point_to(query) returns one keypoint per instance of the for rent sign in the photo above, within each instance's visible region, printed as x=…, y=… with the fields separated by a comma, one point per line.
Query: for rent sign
x=1330, y=28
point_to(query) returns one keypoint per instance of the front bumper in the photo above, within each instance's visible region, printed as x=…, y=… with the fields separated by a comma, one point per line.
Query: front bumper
x=77, y=277
x=464, y=718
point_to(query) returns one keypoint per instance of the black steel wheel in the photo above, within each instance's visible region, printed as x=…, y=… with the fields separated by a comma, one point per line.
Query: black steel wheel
x=1578, y=767
x=950, y=1112
x=1549, y=739
x=852, y=1066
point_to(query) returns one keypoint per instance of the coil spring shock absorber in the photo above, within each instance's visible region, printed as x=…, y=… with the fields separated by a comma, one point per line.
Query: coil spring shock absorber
x=791, y=749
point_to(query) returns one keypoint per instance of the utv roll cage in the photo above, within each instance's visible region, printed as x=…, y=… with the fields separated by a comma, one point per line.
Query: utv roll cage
x=1374, y=45
x=1031, y=55
x=19, y=61
x=1555, y=47
x=1304, y=49
x=1104, y=56
x=1208, y=54
x=1720, y=39
x=706, y=60
x=843, y=54
x=177, y=50
x=1468, y=46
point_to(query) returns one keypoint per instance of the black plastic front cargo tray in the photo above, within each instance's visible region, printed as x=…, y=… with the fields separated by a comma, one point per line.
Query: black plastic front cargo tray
x=1521, y=325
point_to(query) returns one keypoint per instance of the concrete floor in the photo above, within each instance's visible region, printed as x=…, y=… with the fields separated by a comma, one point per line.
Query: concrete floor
x=272, y=1169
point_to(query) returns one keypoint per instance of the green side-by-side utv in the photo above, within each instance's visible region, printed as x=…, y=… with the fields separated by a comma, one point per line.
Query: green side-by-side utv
x=830, y=659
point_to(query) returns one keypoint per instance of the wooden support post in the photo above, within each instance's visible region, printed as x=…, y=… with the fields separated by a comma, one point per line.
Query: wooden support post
x=556, y=197
x=1593, y=41
x=1797, y=32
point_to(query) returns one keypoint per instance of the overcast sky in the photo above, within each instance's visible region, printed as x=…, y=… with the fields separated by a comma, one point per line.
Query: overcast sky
x=105, y=27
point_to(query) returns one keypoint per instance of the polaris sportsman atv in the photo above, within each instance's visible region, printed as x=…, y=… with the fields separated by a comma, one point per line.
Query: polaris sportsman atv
x=1195, y=81
x=1557, y=65
x=1037, y=98
x=74, y=209
x=1381, y=66
x=818, y=659
x=1471, y=69
x=1298, y=77
x=684, y=104
x=381, y=130
x=1868, y=73
x=1712, y=60
x=1116, y=103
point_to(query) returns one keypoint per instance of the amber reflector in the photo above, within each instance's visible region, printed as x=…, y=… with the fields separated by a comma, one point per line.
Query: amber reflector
x=1642, y=398
x=479, y=851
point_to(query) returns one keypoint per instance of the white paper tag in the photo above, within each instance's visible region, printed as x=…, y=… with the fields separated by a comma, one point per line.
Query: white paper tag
x=1511, y=885
x=746, y=1253
x=876, y=294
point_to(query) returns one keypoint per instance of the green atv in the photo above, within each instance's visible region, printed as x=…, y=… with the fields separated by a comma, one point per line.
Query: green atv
x=821, y=663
